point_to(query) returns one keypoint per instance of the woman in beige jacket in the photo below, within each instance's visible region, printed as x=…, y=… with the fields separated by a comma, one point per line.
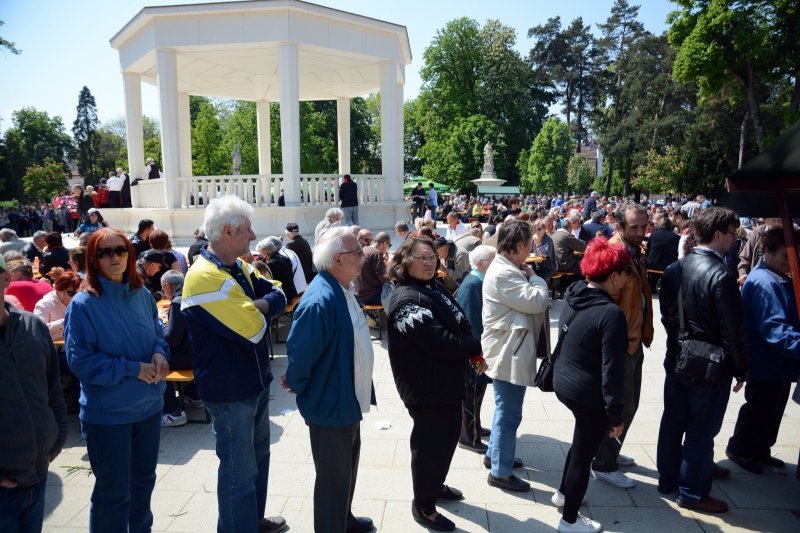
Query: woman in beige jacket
x=515, y=302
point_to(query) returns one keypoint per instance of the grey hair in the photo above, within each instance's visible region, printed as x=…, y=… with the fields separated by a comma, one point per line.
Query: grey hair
x=173, y=278
x=39, y=235
x=222, y=211
x=6, y=234
x=330, y=244
x=334, y=214
x=483, y=252
x=574, y=213
x=266, y=247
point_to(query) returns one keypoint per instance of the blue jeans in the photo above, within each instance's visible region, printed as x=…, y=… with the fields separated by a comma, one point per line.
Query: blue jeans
x=22, y=510
x=507, y=416
x=350, y=215
x=693, y=413
x=123, y=459
x=242, y=432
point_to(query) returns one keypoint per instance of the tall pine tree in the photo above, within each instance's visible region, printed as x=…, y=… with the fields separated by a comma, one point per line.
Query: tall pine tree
x=84, y=130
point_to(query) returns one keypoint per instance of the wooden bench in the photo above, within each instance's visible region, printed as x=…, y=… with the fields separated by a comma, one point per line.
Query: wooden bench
x=288, y=311
x=381, y=314
x=182, y=378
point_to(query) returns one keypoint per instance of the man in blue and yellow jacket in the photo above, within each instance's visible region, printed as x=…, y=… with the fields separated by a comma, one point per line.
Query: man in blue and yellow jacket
x=227, y=306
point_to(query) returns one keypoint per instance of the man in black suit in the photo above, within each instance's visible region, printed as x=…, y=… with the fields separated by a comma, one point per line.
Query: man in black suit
x=296, y=243
x=662, y=247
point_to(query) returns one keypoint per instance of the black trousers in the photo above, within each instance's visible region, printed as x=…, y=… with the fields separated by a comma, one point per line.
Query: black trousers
x=591, y=427
x=759, y=418
x=336, y=451
x=471, y=414
x=433, y=442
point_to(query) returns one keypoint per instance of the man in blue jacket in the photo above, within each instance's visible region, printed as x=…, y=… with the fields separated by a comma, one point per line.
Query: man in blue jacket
x=330, y=370
x=227, y=306
x=773, y=336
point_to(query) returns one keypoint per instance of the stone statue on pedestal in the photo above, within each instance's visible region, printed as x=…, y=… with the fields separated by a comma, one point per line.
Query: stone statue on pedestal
x=488, y=159
x=237, y=159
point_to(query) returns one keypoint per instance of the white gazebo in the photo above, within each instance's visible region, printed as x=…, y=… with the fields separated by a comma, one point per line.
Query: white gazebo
x=265, y=51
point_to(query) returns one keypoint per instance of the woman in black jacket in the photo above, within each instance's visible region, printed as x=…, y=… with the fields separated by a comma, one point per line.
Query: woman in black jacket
x=430, y=342
x=589, y=372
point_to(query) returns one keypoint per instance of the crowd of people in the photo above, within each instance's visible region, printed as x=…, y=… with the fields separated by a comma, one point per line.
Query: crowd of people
x=467, y=305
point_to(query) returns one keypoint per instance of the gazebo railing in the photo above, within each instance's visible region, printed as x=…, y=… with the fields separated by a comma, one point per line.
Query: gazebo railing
x=323, y=189
x=260, y=190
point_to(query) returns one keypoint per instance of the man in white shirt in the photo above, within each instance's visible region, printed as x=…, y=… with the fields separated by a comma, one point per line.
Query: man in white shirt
x=455, y=228
x=114, y=184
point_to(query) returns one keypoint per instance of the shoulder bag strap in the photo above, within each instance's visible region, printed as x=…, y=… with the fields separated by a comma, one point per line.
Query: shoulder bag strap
x=565, y=329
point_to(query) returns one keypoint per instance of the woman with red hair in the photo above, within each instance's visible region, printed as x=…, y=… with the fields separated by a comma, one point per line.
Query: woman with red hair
x=589, y=371
x=115, y=345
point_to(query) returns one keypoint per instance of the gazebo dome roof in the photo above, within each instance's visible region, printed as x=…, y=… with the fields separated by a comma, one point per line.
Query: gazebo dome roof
x=231, y=49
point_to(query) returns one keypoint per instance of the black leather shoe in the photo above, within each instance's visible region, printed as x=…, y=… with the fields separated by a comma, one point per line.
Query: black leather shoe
x=487, y=463
x=747, y=464
x=719, y=472
x=276, y=524
x=512, y=483
x=476, y=448
x=359, y=524
x=771, y=461
x=664, y=489
x=440, y=523
x=451, y=494
x=485, y=432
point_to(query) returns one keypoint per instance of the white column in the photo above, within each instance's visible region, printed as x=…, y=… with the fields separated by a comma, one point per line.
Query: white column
x=167, y=67
x=397, y=185
x=264, y=134
x=343, y=129
x=132, y=82
x=389, y=129
x=185, y=134
x=290, y=122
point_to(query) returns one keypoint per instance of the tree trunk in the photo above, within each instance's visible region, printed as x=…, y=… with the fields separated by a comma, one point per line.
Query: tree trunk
x=570, y=89
x=628, y=165
x=742, y=137
x=795, y=104
x=752, y=100
x=609, y=174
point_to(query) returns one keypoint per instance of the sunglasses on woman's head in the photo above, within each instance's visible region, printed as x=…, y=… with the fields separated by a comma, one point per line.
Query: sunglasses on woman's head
x=119, y=251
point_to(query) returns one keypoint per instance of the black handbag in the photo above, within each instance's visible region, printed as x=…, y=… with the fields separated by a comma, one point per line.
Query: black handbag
x=700, y=360
x=544, y=375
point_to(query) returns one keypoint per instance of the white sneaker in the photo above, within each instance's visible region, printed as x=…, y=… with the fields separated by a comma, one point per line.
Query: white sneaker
x=625, y=460
x=581, y=525
x=171, y=421
x=558, y=499
x=616, y=478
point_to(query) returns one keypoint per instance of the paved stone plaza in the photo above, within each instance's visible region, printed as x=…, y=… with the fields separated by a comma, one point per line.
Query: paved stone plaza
x=184, y=499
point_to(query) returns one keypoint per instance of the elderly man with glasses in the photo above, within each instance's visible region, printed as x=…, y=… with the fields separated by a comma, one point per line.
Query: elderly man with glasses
x=331, y=373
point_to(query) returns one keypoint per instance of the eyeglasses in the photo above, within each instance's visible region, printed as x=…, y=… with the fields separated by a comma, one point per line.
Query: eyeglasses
x=425, y=258
x=366, y=242
x=119, y=251
x=70, y=293
x=357, y=251
x=731, y=232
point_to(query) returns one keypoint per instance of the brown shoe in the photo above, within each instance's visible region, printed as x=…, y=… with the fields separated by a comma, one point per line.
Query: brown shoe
x=706, y=505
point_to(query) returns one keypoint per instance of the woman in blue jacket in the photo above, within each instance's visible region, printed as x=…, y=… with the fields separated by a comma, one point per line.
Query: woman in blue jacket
x=115, y=345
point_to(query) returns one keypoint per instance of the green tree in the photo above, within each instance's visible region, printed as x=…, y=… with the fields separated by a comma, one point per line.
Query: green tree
x=660, y=173
x=84, y=131
x=207, y=150
x=719, y=41
x=580, y=175
x=619, y=32
x=365, y=157
x=8, y=45
x=44, y=182
x=413, y=137
x=569, y=57
x=549, y=159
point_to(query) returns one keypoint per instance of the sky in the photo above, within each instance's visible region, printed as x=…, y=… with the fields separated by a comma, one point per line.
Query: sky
x=65, y=44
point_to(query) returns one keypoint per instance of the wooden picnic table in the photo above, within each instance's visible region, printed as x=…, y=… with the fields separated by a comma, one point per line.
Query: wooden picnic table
x=535, y=259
